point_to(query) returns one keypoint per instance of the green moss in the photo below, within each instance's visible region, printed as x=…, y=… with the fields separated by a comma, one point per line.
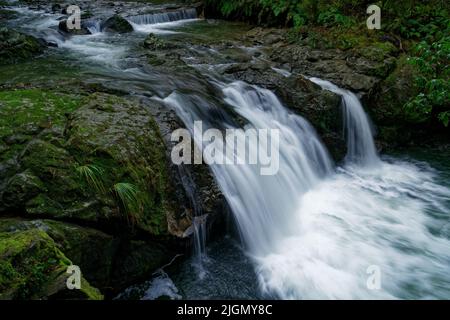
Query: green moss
x=110, y=133
x=24, y=113
x=29, y=259
x=16, y=46
x=32, y=265
x=123, y=140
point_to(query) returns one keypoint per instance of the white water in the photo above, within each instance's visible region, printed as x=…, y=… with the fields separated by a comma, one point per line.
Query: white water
x=262, y=204
x=359, y=135
x=313, y=232
x=164, y=17
x=159, y=22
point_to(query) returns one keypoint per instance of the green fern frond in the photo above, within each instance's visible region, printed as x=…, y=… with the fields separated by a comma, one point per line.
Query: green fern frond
x=93, y=176
x=131, y=198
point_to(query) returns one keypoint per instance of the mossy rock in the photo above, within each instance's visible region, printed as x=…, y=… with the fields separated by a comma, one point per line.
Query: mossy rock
x=21, y=187
x=32, y=267
x=121, y=139
x=153, y=43
x=16, y=46
x=397, y=89
x=386, y=105
x=48, y=139
x=90, y=249
x=109, y=263
x=117, y=24
x=26, y=113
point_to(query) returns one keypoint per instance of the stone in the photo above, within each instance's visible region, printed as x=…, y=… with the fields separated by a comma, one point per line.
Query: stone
x=117, y=24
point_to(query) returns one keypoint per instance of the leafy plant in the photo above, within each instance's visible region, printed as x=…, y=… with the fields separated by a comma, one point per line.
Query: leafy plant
x=131, y=198
x=432, y=62
x=93, y=176
x=333, y=17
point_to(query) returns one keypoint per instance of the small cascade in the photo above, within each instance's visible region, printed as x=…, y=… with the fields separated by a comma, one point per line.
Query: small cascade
x=94, y=26
x=198, y=228
x=163, y=17
x=358, y=130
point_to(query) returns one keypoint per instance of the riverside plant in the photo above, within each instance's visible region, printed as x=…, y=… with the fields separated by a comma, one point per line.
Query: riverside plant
x=128, y=196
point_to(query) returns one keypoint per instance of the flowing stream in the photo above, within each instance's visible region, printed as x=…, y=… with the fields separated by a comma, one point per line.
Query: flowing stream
x=313, y=230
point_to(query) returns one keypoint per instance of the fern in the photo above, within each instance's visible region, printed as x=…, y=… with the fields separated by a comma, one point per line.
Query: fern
x=132, y=200
x=93, y=176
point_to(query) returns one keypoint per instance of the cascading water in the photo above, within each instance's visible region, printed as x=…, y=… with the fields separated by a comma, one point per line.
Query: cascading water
x=313, y=232
x=94, y=26
x=147, y=22
x=262, y=204
x=163, y=17
x=358, y=131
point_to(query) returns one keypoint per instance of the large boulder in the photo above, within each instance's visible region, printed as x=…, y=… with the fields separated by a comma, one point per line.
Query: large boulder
x=108, y=262
x=103, y=163
x=33, y=267
x=96, y=161
x=116, y=24
x=16, y=46
x=63, y=26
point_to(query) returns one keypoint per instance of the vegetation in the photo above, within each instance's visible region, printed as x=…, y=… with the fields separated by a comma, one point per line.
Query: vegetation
x=433, y=80
x=418, y=29
x=92, y=174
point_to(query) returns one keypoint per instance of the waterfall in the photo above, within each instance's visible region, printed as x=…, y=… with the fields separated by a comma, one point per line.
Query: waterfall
x=199, y=226
x=262, y=204
x=358, y=131
x=315, y=231
x=94, y=26
x=163, y=17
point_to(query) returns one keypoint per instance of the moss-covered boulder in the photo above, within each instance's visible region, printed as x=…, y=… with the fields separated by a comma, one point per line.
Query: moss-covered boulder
x=387, y=101
x=108, y=262
x=32, y=267
x=116, y=24
x=90, y=249
x=117, y=142
x=99, y=159
x=90, y=172
x=16, y=46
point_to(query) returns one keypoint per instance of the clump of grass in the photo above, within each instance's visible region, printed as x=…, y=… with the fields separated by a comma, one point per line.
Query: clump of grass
x=132, y=200
x=93, y=175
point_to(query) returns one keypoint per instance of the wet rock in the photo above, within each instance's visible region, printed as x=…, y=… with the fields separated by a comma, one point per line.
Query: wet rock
x=385, y=105
x=320, y=107
x=193, y=187
x=117, y=24
x=153, y=43
x=33, y=267
x=16, y=46
x=22, y=187
x=56, y=8
x=116, y=140
x=108, y=262
x=63, y=26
